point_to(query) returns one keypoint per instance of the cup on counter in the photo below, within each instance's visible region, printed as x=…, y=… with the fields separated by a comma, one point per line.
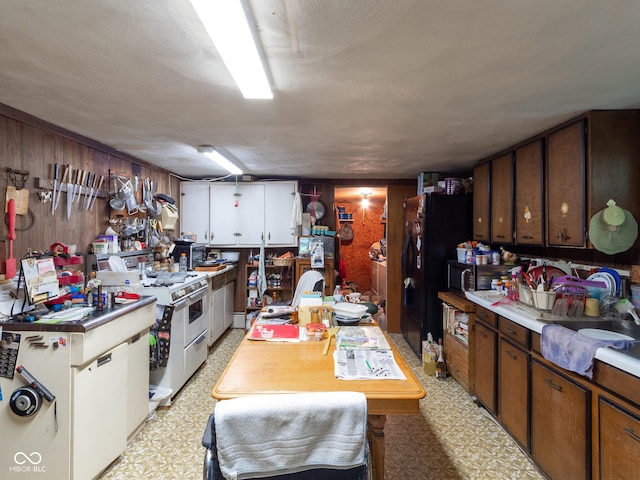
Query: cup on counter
x=592, y=307
x=353, y=297
x=576, y=309
x=560, y=308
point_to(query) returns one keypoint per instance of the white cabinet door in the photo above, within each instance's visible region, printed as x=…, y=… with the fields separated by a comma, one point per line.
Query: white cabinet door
x=99, y=409
x=241, y=225
x=222, y=214
x=250, y=215
x=279, y=197
x=217, y=327
x=194, y=209
x=229, y=303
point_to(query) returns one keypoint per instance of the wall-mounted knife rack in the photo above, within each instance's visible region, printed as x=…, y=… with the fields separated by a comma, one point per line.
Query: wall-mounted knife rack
x=44, y=184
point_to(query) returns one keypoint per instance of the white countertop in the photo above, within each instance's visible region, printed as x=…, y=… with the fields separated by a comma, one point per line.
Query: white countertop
x=217, y=272
x=528, y=317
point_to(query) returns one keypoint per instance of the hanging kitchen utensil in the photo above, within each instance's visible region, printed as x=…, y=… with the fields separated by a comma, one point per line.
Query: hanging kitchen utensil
x=613, y=229
x=10, y=263
x=154, y=206
x=132, y=204
x=316, y=209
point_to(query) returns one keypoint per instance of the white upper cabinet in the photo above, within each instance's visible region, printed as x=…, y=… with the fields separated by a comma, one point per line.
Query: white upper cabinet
x=239, y=216
x=278, y=201
x=194, y=210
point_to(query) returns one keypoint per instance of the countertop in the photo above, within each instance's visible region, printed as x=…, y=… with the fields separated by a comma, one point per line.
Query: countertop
x=92, y=321
x=528, y=317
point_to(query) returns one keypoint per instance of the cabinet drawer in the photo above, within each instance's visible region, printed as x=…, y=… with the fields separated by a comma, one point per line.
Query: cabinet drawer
x=457, y=358
x=487, y=316
x=513, y=331
x=616, y=381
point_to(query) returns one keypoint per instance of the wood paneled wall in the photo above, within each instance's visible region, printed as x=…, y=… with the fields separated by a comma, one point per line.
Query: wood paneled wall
x=27, y=143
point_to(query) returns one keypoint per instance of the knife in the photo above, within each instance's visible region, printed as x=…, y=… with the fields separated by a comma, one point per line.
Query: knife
x=82, y=181
x=77, y=187
x=69, y=171
x=93, y=202
x=54, y=199
x=94, y=191
x=87, y=197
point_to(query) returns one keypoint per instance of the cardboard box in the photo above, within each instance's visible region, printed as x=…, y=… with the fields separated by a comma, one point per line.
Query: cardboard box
x=427, y=179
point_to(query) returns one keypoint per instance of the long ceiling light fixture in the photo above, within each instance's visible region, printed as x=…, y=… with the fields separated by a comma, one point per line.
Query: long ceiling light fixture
x=220, y=159
x=227, y=26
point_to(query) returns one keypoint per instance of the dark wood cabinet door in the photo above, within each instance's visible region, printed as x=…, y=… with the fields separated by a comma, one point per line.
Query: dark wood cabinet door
x=560, y=419
x=513, y=391
x=529, y=194
x=565, y=186
x=485, y=366
x=502, y=199
x=481, y=199
x=619, y=441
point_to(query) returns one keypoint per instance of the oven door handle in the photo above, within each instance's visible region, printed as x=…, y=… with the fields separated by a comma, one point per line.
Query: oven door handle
x=200, y=338
x=180, y=303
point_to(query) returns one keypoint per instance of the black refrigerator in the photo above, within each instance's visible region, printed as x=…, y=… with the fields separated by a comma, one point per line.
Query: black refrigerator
x=433, y=226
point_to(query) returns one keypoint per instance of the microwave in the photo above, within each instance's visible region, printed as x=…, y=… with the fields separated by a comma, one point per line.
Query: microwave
x=196, y=253
x=462, y=277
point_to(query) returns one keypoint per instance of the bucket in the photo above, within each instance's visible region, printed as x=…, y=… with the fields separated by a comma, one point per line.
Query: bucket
x=100, y=247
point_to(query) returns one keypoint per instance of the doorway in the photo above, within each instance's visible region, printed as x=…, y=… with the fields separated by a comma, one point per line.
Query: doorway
x=361, y=259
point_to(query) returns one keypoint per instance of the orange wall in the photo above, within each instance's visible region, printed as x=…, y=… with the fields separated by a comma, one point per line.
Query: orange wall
x=366, y=231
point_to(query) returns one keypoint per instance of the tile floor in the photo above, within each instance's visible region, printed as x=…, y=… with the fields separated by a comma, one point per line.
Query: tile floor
x=451, y=439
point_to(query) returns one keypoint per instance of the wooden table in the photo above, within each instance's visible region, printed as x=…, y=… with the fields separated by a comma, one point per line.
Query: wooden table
x=259, y=367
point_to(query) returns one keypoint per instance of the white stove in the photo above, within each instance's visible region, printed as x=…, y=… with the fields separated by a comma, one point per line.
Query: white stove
x=171, y=288
x=183, y=296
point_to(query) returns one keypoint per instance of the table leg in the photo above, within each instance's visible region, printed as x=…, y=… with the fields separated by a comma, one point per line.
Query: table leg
x=375, y=434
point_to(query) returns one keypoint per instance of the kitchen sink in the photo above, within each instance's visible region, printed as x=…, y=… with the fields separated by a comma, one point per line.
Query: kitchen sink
x=625, y=327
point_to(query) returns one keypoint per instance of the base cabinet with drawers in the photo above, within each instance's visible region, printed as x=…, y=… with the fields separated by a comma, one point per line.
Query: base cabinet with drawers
x=571, y=427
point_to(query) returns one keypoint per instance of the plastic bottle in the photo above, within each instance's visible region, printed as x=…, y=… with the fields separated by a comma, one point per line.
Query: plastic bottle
x=337, y=294
x=430, y=358
x=441, y=366
x=183, y=263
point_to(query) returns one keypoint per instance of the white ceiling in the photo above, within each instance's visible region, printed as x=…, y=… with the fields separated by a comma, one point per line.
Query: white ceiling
x=363, y=89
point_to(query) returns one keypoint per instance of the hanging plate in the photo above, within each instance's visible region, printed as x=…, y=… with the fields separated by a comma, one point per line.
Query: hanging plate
x=317, y=209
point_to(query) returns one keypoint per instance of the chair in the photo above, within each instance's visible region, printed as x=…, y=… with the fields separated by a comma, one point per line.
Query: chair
x=310, y=281
x=298, y=436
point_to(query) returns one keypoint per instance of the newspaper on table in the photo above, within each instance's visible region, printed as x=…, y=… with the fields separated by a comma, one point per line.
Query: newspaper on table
x=363, y=353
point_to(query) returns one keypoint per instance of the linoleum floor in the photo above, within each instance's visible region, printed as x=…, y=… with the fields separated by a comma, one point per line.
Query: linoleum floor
x=451, y=439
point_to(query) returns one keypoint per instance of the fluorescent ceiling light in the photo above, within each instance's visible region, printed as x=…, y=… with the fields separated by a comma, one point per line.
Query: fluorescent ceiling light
x=227, y=26
x=220, y=159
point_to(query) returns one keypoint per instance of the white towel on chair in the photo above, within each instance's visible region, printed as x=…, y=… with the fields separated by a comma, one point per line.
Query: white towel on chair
x=289, y=433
